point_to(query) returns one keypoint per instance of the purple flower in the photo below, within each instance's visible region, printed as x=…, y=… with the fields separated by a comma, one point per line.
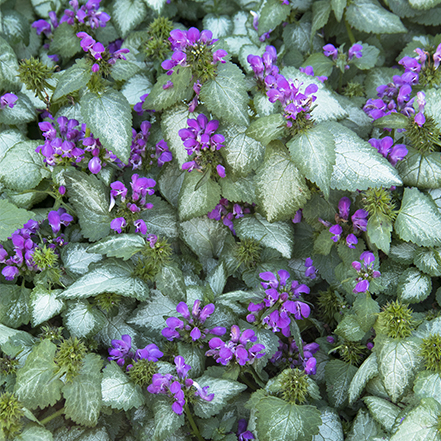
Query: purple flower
x=242, y=433
x=219, y=56
x=398, y=153
x=351, y=241
x=141, y=227
x=297, y=217
x=355, y=50
x=336, y=230
x=202, y=392
x=420, y=119
x=220, y=171
x=95, y=165
x=330, y=50
x=310, y=366
x=42, y=26
x=343, y=207
x=359, y=220
x=117, y=224
x=121, y=350
x=138, y=106
x=361, y=286
x=181, y=368
x=150, y=353
x=167, y=85
x=410, y=64
x=58, y=218
x=10, y=272
x=309, y=70
x=8, y=100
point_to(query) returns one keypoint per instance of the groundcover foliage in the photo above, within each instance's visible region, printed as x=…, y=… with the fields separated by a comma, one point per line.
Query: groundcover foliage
x=220, y=220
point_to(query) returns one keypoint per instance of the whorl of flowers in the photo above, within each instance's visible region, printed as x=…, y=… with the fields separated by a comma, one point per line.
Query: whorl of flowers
x=122, y=352
x=98, y=52
x=141, y=155
x=384, y=146
x=191, y=327
x=201, y=140
x=396, y=95
x=342, y=227
x=280, y=303
x=235, y=349
x=222, y=212
x=20, y=257
x=340, y=58
x=289, y=354
x=61, y=146
x=192, y=48
x=365, y=271
x=87, y=15
x=278, y=88
x=130, y=207
x=179, y=388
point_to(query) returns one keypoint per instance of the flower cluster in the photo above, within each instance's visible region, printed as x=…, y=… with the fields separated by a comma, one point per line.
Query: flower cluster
x=98, y=52
x=139, y=149
x=294, y=102
x=384, y=146
x=264, y=66
x=235, y=348
x=123, y=353
x=191, y=327
x=280, y=301
x=60, y=147
x=341, y=59
x=128, y=213
x=26, y=246
x=396, y=96
x=192, y=48
x=227, y=211
x=86, y=15
x=199, y=139
x=342, y=228
x=365, y=271
x=289, y=354
x=179, y=388
x=8, y=100
x=278, y=88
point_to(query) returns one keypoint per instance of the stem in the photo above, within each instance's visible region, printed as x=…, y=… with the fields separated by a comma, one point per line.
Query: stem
x=192, y=422
x=349, y=31
x=245, y=381
x=340, y=82
x=53, y=416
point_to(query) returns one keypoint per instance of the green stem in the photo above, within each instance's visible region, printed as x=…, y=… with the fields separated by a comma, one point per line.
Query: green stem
x=349, y=31
x=340, y=82
x=245, y=381
x=53, y=416
x=192, y=422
